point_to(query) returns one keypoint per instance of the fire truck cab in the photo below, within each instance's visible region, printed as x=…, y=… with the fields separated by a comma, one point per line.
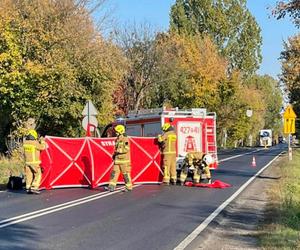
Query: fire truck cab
x=195, y=129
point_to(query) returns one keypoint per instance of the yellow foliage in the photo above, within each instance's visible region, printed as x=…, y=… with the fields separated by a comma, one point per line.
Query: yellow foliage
x=198, y=58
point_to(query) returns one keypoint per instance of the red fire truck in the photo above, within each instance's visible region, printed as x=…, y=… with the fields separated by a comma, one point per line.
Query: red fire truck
x=195, y=129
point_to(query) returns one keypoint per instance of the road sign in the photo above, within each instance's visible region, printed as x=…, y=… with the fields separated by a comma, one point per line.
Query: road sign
x=289, y=126
x=289, y=121
x=89, y=109
x=93, y=121
x=249, y=112
x=289, y=113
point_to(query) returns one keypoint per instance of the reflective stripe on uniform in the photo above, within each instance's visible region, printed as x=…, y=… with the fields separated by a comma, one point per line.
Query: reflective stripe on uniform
x=171, y=139
x=121, y=161
x=169, y=153
x=32, y=162
x=28, y=148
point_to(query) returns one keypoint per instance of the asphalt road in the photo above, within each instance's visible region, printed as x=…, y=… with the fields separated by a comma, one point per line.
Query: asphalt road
x=149, y=217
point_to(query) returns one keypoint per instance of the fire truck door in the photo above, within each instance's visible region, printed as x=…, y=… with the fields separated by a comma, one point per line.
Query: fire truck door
x=189, y=137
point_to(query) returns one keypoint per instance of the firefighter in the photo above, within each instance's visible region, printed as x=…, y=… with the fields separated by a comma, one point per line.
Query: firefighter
x=121, y=159
x=32, y=148
x=168, y=146
x=198, y=163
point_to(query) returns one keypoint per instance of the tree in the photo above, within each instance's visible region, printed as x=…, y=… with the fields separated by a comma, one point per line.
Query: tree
x=272, y=99
x=290, y=61
x=193, y=74
x=290, y=8
x=230, y=25
x=138, y=45
x=52, y=59
x=189, y=71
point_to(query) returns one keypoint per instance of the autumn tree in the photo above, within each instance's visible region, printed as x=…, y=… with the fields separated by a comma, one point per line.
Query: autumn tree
x=229, y=23
x=271, y=100
x=52, y=59
x=290, y=61
x=189, y=71
x=290, y=8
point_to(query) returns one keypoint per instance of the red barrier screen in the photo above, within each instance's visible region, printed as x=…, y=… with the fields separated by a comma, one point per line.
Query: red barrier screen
x=87, y=162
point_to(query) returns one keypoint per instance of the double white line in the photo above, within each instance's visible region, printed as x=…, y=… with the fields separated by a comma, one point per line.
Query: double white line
x=53, y=209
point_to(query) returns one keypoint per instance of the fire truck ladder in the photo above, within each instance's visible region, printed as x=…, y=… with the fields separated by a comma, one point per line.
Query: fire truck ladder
x=211, y=146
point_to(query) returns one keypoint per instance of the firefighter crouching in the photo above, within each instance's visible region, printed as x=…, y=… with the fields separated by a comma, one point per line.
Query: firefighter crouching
x=168, y=146
x=121, y=159
x=32, y=148
x=198, y=163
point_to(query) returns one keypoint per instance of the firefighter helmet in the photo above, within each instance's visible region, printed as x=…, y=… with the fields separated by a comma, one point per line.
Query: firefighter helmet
x=208, y=159
x=166, y=126
x=120, y=129
x=32, y=134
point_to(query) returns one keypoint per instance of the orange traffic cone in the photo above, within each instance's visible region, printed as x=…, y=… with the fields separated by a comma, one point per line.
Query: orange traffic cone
x=253, y=162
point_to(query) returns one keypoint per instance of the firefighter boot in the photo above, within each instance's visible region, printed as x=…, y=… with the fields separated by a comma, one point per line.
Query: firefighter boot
x=111, y=188
x=35, y=191
x=128, y=183
x=173, y=182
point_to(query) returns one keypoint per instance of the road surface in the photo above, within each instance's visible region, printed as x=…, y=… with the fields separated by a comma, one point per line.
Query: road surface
x=149, y=217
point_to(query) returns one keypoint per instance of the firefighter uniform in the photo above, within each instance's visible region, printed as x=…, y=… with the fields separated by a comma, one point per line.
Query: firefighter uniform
x=122, y=162
x=198, y=163
x=168, y=146
x=32, y=148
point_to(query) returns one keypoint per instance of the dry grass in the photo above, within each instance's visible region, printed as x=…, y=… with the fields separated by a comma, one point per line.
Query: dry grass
x=281, y=229
x=10, y=165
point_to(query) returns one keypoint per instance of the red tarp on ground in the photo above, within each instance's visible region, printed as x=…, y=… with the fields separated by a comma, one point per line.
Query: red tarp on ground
x=84, y=162
x=215, y=184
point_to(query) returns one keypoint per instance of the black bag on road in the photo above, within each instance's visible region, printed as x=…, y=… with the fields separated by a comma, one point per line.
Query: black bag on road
x=15, y=183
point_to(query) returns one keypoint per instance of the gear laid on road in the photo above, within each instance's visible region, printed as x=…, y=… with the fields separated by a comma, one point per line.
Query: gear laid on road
x=215, y=184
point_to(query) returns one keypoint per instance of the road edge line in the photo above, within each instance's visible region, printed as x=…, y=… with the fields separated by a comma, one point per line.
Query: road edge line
x=193, y=235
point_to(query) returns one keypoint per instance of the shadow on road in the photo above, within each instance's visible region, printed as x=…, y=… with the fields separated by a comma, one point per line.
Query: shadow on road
x=18, y=236
x=269, y=177
x=228, y=172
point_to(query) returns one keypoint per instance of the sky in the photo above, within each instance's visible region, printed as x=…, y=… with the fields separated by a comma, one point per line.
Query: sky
x=156, y=13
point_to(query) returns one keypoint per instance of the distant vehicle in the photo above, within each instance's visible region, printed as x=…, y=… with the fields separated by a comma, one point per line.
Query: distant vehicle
x=280, y=139
x=265, y=138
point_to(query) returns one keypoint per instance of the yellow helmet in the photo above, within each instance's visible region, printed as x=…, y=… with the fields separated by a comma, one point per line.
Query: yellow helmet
x=120, y=129
x=166, y=126
x=32, y=133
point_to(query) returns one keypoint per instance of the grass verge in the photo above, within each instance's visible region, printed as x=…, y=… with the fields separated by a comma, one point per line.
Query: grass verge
x=281, y=228
x=10, y=166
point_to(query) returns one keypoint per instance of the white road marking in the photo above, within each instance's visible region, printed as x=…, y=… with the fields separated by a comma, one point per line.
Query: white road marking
x=236, y=156
x=182, y=245
x=49, y=210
